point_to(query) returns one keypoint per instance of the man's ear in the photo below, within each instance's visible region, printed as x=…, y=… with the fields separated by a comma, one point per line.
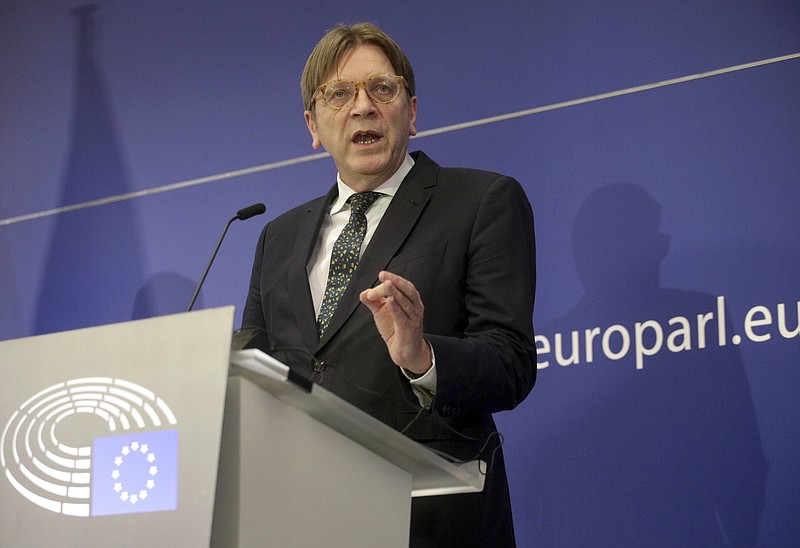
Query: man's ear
x=312, y=129
x=412, y=128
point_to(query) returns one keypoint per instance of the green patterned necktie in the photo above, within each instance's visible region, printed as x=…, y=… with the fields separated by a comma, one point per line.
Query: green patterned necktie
x=344, y=258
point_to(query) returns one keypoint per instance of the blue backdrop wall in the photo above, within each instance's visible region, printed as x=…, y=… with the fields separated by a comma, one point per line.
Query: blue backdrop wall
x=667, y=216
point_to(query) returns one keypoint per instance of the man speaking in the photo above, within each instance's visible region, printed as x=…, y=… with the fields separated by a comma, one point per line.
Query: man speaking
x=411, y=285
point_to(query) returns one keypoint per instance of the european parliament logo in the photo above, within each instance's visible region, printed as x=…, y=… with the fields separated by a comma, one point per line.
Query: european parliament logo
x=130, y=466
x=135, y=473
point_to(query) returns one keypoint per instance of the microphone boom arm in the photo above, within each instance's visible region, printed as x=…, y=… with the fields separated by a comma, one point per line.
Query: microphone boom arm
x=242, y=214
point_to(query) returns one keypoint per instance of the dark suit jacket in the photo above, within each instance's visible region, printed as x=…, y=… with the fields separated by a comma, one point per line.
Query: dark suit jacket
x=465, y=239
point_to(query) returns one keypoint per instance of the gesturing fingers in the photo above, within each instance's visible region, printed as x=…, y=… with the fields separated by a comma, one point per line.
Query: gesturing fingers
x=403, y=294
x=398, y=312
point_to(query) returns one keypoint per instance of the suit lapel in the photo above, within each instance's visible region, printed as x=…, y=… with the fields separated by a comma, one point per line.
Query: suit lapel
x=398, y=221
x=303, y=303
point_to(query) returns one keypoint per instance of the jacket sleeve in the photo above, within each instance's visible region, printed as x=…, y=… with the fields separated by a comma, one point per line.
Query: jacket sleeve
x=253, y=315
x=492, y=367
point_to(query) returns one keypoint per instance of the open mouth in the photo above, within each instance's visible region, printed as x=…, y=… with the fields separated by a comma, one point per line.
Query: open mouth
x=366, y=138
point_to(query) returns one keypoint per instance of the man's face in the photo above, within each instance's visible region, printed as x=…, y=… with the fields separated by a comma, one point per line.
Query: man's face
x=367, y=140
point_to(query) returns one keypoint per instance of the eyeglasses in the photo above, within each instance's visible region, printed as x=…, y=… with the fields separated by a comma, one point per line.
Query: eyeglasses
x=381, y=88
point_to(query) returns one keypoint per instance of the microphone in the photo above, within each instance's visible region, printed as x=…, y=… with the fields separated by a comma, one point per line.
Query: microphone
x=242, y=215
x=250, y=211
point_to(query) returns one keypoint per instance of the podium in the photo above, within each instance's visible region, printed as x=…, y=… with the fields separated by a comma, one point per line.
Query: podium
x=153, y=433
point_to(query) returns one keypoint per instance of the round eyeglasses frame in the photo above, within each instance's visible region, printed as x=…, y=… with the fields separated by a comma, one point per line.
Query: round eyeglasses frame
x=365, y=84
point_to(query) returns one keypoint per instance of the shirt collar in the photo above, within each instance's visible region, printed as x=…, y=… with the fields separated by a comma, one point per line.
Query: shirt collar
x=389, y=187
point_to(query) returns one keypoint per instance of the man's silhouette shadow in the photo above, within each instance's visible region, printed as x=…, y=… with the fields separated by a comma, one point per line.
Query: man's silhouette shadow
x=164, y=293
x=665, y=455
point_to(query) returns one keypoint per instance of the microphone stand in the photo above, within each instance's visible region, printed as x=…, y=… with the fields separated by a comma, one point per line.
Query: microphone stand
x=243, y=214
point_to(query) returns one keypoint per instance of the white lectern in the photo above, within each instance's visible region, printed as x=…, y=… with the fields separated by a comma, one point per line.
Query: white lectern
x=134, y=434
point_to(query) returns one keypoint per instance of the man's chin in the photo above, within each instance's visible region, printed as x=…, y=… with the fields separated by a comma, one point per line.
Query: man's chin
x=367, y=174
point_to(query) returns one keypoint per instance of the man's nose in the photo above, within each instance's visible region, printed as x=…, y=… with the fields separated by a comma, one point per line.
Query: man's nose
x=362, y=105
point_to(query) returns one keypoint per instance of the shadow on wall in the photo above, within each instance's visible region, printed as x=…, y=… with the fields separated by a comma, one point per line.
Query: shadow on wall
x=663, y=450
x=164, y=293
x=94, y=262
x=12, y=323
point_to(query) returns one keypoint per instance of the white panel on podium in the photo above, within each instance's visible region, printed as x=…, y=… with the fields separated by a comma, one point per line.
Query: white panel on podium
x=288, y=480
x=110, y=435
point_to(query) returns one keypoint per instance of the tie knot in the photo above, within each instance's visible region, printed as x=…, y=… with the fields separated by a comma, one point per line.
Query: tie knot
x=361, y=201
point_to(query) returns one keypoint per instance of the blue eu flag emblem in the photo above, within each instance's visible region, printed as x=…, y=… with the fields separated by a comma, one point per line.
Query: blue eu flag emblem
x=135, y=473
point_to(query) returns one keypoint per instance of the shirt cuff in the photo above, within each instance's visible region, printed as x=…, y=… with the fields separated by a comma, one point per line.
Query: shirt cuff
x=424, y=386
